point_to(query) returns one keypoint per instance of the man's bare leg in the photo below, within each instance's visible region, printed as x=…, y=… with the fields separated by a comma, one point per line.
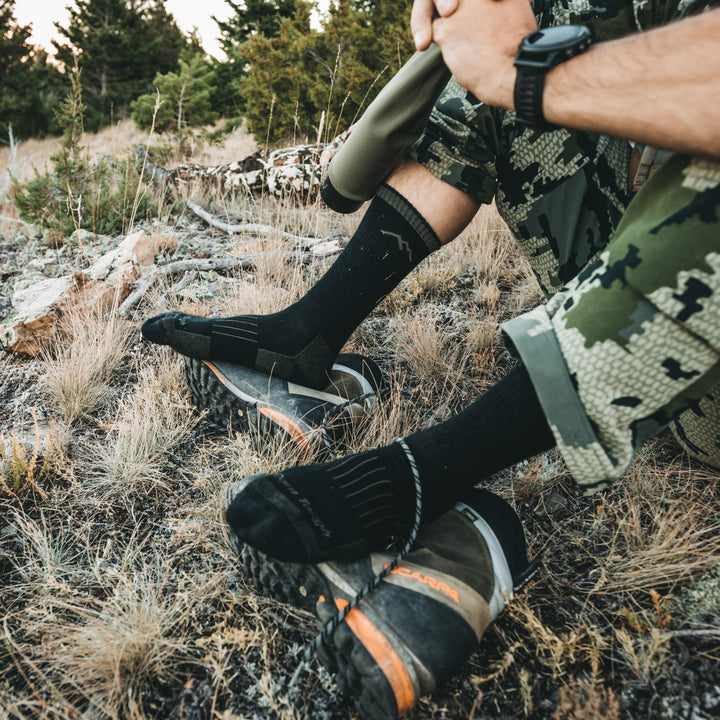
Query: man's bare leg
x=446, y=209
x=412, y=215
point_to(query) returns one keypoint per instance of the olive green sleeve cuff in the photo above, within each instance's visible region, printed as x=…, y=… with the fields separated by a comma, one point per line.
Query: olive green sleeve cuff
x=533, y=339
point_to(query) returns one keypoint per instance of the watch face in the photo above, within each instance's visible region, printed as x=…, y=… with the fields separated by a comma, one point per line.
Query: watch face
x=556, y=38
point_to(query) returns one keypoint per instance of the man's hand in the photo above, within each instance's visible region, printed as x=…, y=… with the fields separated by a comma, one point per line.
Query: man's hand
x=423, y=14
x=479, y=42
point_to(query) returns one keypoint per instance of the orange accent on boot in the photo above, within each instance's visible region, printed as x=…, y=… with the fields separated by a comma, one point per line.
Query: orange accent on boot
x=296, y=433
x=384, y=654
x=427, y=580
x=214, y=371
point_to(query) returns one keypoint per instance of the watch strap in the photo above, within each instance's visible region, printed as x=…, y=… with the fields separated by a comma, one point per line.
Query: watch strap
x=528, y=97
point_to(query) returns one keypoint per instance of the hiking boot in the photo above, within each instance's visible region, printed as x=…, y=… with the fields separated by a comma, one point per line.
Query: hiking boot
x=241, y=398
x=415, y=630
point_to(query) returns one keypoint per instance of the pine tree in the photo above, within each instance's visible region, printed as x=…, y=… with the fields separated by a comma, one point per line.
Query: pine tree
x=77, y=193
x=122, y=45
x=29, y=85
x=277, y=89
x=253, y=17
x=184, y=98
x=250, y=18
x=301, y=73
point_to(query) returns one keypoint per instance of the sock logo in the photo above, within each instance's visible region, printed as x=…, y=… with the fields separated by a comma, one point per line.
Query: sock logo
x=303, y=502
x=402, y=244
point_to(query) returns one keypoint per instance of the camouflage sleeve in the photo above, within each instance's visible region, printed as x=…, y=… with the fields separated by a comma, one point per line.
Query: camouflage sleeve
x=613, y=19
x=634, y=339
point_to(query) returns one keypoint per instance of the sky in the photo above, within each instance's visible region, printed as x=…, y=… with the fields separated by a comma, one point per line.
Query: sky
x=189, y=14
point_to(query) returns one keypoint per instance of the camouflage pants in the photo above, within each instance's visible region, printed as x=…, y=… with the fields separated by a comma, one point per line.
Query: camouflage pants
x=561, y=193
x=633, y=342
x=617, y=354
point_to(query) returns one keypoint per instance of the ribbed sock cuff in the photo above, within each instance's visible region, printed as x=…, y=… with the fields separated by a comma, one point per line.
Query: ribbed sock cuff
x=411, y=215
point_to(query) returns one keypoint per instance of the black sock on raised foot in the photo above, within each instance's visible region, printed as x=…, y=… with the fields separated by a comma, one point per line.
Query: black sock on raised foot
x=301, y=342
x=347, y=508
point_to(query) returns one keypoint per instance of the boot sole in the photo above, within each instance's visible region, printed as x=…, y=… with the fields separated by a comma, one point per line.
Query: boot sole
x=355, y=671
x=224, y=409
x=228, y=407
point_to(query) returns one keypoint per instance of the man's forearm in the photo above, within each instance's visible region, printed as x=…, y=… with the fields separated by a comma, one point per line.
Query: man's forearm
x=661, y=88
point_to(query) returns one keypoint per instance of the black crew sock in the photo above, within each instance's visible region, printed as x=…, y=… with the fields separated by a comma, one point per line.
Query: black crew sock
x=301, y=342
x=347, y=508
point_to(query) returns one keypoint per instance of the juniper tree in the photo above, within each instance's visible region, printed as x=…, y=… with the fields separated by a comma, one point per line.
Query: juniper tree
x=301, y=73
x=250, y=18
x=77, y=193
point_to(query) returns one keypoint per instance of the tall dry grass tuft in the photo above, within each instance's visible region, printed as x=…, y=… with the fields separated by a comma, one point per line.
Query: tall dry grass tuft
x=150, y=424
x=559, y=650
x=583, y=700
x=644, y=655
x=49, y=564
x=87, y=352
x=431, y=348
x=110, y=652
x=487, y=251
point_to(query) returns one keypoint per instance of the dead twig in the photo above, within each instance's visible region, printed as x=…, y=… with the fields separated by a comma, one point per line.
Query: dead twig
x=700, y=632
x=183, y=282
x=16, y=220
x=144, y=283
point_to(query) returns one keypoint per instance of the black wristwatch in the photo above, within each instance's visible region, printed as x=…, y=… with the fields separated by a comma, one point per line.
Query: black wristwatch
x=539, y=52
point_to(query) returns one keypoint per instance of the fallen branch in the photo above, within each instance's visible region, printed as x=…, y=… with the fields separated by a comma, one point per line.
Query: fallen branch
x=183, y=282
x=144, y=283
x=16, y=220
x=256, y=228
x=245, y=262
x=700, y=632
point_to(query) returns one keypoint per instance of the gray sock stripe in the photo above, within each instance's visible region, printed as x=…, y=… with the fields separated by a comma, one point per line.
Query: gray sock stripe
x=251, y=330
x=365, y=488
x=352, y=469
x=235, y=335
x=373, y=498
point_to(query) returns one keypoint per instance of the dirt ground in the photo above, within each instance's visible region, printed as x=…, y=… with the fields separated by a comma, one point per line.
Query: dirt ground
x=121, y=598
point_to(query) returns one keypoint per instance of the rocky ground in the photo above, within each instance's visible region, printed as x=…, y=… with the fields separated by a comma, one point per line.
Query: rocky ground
x=622, y=621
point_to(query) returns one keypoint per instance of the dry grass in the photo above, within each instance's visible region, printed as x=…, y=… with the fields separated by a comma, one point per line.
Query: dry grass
x=109, y=651
x=665, y=529
x=582, y=700
x=150, y=423
x=427, y=343
x=121, y=598
x=34, y=155
x=87, y=353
